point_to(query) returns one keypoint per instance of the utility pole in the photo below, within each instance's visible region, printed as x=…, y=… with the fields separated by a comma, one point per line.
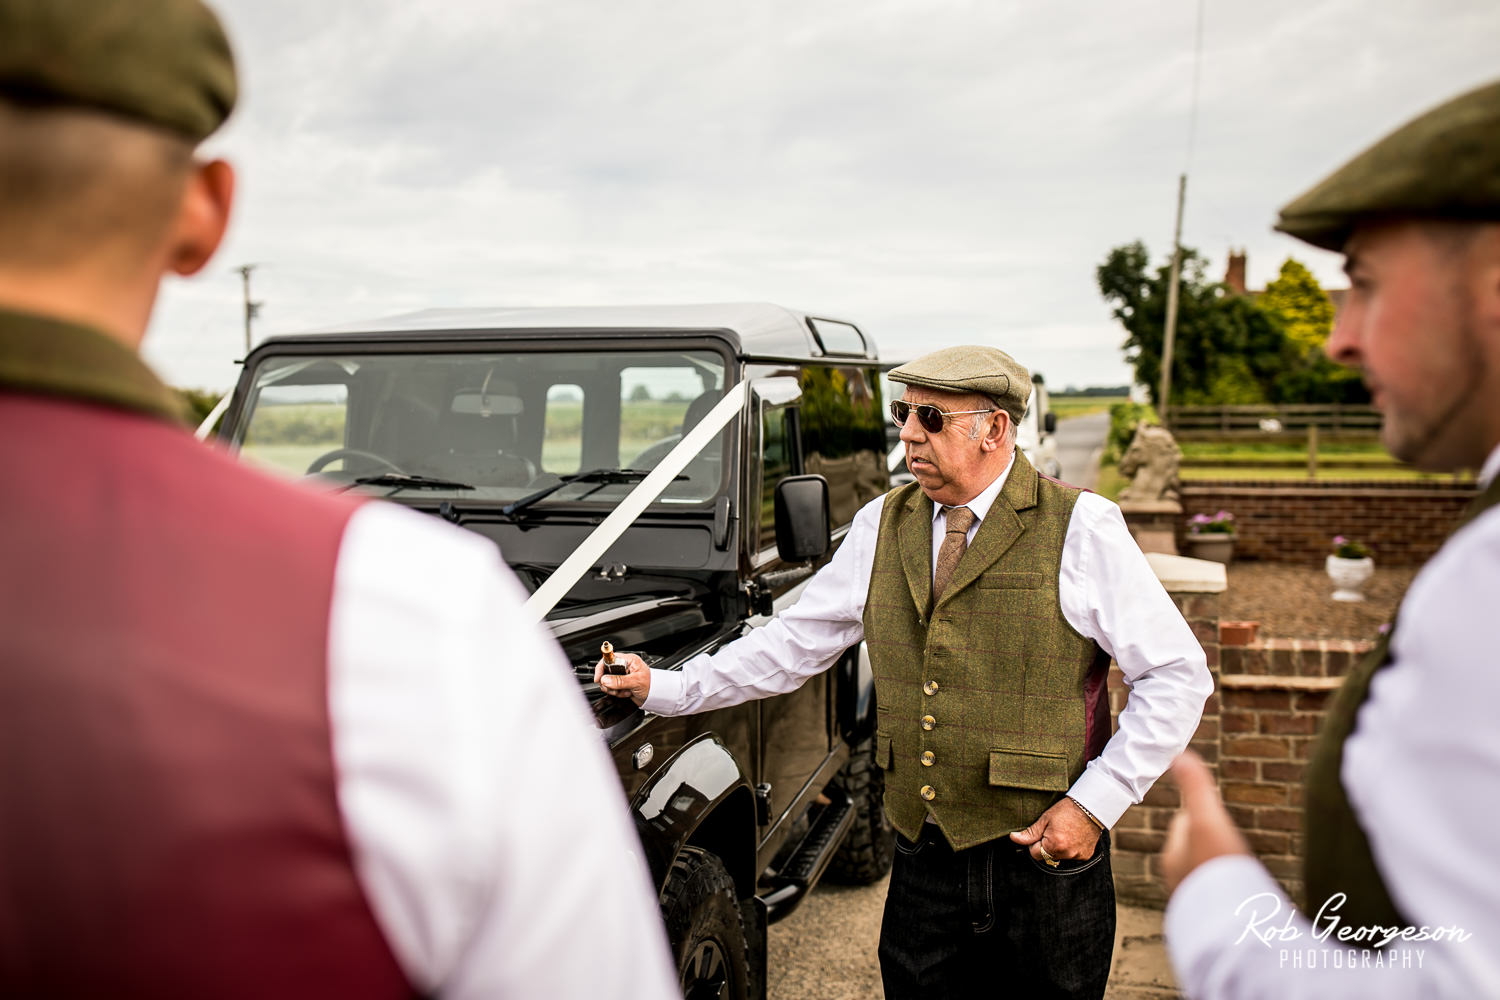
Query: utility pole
x=252, y=309
x=1166, y=350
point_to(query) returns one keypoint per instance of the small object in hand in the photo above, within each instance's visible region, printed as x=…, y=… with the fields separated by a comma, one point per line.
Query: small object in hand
x=1050, y=861
x=612, y=664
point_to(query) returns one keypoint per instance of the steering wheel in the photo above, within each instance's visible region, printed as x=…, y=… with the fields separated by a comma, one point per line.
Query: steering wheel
x=329, y=457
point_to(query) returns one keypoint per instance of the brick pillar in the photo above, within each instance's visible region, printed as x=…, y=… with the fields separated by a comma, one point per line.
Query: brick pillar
x=1195, y=587
x=1234, y=273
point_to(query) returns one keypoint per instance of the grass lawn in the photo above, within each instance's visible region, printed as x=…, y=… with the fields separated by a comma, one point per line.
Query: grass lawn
x=1395, y=472
x=1364, y=451
x=1111, y=482
x=1079, y=406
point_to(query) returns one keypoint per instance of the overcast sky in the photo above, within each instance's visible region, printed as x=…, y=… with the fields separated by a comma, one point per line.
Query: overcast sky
x=936, y=172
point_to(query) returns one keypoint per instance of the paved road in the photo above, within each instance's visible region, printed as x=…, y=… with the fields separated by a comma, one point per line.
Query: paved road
x=826, y=949
x=1079, y=441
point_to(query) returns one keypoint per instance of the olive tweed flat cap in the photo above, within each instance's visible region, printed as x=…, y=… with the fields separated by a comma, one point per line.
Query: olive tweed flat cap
x=985, y=370
x=163, y=62
x=1444, y=164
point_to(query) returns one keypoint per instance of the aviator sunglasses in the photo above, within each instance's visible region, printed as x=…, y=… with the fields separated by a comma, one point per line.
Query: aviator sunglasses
x=930, y=417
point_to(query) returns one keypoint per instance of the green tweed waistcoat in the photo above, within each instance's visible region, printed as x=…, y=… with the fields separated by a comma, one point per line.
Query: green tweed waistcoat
x=982, y=719
x=1338, y=858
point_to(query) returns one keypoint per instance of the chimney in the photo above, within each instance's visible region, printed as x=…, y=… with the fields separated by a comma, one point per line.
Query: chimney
x=1234, y=274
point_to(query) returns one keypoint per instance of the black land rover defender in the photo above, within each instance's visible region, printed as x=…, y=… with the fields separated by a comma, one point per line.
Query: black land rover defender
x=765, y=432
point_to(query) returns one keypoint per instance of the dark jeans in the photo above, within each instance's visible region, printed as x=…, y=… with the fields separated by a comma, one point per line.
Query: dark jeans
x=991, y=922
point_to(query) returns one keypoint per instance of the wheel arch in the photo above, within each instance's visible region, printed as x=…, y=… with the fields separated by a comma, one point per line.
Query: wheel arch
x=699, y=798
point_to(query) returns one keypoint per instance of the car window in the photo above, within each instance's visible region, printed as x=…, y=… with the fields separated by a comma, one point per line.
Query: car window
x=842, y=426
x=775, y=465
x=295, y=425
x=505, y=424
x=562, y=441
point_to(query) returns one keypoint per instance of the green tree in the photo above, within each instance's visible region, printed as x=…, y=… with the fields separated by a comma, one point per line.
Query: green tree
x=199, y=403
x=1226, y=349
x=640, y=394
x=1305, y=312
x=1305, y=309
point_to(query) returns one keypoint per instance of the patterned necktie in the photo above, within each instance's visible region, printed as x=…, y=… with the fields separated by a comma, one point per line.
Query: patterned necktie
x=955, y=542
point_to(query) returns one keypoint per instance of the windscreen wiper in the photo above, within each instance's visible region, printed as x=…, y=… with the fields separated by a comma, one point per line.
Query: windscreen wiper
x=404, y=480
x=603, y=477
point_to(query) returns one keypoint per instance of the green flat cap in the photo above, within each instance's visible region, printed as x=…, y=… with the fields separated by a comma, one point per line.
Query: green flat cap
x=163, y=62
x=1444, y=164
x=985, y=370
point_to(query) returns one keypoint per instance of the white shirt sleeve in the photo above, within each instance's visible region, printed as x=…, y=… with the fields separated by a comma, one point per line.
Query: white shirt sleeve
x=801, y=641
x=1109, y=594
x=488, y=827
x=1422, y=771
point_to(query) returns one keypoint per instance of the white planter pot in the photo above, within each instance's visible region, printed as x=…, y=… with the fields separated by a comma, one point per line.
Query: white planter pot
x=1215, y=546
x=1349, y=576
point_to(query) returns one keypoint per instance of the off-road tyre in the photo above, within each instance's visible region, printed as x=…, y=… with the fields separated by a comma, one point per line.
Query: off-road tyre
x=867, y=851
x=702, y=915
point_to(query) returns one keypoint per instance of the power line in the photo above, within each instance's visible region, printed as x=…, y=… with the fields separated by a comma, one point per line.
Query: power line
x=1193, y=105
x=1170, y=333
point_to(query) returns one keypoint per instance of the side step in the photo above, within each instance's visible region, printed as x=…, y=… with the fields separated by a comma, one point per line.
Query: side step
x=807, y=864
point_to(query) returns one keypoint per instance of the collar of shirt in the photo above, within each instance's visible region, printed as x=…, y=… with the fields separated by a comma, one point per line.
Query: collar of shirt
x=1491, y=468
x=982, y=503
x=54, y=357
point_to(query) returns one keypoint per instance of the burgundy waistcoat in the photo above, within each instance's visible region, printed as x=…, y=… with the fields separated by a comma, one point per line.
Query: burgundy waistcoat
x=168, y=818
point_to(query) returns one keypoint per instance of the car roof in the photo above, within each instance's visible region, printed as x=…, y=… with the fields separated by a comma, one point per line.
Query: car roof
x=761, y=329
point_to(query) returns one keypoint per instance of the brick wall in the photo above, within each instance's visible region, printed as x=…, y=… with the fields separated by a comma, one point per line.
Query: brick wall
x=1138, y=837
x=1257, y=732
x=1294, y=521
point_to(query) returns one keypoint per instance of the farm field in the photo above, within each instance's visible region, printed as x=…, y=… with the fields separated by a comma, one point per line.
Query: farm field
x=1080, y=406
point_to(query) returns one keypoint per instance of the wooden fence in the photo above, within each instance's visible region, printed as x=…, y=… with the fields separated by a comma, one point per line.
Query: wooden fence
x=1333, y=420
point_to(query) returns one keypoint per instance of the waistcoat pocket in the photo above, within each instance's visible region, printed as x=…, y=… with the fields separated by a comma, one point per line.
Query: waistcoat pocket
x=1029, y=769
x=1012, y=581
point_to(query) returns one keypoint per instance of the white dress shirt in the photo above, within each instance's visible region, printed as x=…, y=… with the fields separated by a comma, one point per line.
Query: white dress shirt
x=488, y=827
x=1422, y=772
x=1107, y=591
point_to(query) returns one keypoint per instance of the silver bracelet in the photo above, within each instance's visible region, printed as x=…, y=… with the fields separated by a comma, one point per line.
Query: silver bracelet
x=1092, y=818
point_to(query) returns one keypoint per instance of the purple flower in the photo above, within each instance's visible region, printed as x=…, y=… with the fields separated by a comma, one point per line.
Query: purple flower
x=1339, y=539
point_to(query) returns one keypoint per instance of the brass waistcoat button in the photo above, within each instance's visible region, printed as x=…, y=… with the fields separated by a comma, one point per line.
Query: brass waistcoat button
x=928, y=722
x=931, y=687
x=928, y=758
x=929, y=793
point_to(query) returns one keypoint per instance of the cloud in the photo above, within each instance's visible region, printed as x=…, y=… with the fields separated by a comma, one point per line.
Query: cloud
x=935, y=171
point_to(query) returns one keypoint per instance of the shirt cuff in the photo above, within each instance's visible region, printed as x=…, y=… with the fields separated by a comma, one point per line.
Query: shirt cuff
x=1101, y=795
x=666, y=692
x=1211, y=911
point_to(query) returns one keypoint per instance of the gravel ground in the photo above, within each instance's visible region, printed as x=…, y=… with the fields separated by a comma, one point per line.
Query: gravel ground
x=826, y=949
x=1293, y=602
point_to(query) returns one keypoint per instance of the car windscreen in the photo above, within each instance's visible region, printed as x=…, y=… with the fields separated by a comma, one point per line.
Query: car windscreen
x=485, y=426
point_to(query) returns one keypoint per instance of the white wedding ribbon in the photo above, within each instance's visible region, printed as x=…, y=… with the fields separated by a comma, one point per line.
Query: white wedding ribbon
x=637, y=500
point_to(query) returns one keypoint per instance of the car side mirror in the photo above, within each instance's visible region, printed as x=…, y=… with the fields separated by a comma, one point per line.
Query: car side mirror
x=1050, y=422
x=803, y=532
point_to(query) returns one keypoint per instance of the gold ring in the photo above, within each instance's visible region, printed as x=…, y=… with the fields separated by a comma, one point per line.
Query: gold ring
x=1048, y=859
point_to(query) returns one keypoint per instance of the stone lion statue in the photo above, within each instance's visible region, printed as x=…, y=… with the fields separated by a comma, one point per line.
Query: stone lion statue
x=1151, y=463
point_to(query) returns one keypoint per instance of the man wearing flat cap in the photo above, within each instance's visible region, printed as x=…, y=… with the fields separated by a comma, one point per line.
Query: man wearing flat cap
x=1401, y=790
x=254, y=740
x=991, y=599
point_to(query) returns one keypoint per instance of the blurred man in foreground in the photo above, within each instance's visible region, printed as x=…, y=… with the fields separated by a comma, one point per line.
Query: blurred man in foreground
x=255, y=741
x=1402, y=791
